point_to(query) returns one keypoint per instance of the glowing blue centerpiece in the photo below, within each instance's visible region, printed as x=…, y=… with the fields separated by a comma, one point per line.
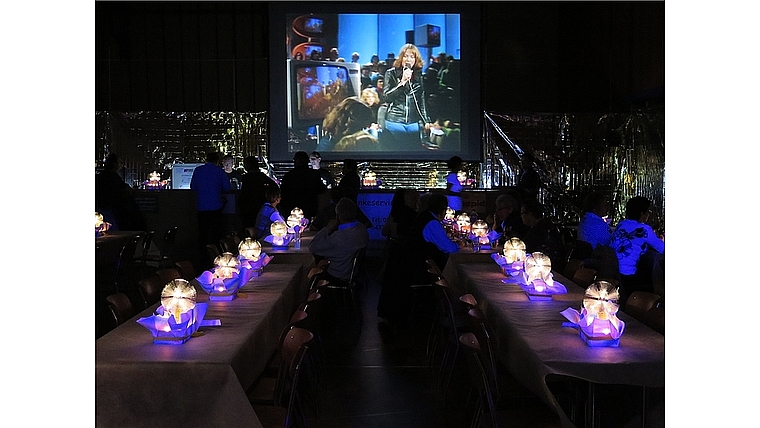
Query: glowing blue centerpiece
x=597, y=322
x=512, y=260
x=279, y=237
x=252, y=260
x=539, y=283
x=178, y=316
x=224, y=281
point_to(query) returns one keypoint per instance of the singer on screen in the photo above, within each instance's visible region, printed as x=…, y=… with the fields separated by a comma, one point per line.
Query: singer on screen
x=406, y=117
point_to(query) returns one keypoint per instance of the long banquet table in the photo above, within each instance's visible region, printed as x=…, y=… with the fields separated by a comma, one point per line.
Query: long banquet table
x=532, y=342
x=202, y=382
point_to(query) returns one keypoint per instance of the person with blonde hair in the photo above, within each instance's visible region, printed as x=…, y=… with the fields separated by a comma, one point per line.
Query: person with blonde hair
x=346, y=127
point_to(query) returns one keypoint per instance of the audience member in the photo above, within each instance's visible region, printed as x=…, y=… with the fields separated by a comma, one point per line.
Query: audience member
x=346, y=128
x=340, y=241
x=543, y=235
x=328, y=212
x=355, y=57
x=235, y=176
x=316, y=164
x=506, y=219
x=268, y=213
x=428, y=238
x=301, y=186
x=114, y=198
x=370, y=97
x=209, y=183
x=253, y=189
x=366, y=77
x=401, y=217
x=350, y=182
x=636, y=246
x=453, y=186
x=529, y=181
x=593, y=228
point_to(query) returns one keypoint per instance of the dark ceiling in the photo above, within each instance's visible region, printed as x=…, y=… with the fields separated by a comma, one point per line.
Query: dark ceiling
x=536, y=56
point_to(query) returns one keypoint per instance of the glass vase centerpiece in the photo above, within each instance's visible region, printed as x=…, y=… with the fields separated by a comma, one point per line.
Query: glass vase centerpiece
x=597, y=321
x=512, y=259
x=178, y=316
x=223, y=282
x=479, y=235
x=252, y=260
x=279, y=236
x=539, y=283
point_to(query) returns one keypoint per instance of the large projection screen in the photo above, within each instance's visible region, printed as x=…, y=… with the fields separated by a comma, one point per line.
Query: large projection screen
x=319, y=101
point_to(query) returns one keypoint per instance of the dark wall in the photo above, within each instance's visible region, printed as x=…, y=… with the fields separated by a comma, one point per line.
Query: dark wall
x=537, y=56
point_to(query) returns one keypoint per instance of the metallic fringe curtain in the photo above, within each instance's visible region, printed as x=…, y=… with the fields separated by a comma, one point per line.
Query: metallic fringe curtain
x=621, y=155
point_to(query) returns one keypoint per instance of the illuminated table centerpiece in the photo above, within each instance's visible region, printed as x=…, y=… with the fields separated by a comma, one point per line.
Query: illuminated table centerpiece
x=224, y=281
x=252, y=261
x=154, y=182
x=539, y=283
x=178, y=316
x=296, y=224
x=513, y=258
x=479, y=235
x=370, y=181
x=101, y=226
x=597, y=322
x=279, y=237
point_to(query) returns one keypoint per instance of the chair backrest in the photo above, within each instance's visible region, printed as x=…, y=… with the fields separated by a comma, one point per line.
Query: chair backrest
x=293, y=350
x=186, y=269
x=469, y=300
x=150, y=288
x=147, y=240
x=126, y=263
x=584, y=276
x=655, y=319
x=582, y=250
x=228, y=245
x=213, y=252
x=121, y=307
x=249, y=232
x=639, y=303
x=168, y=274
x=572, y=266
x=479, y=378
x=170, y=236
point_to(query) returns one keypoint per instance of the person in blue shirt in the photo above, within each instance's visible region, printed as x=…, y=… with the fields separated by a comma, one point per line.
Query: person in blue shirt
x=637, y=246
x=592, y=228
x=453, y=186
x=209, y=183
x=428, y=238
x=268, y=213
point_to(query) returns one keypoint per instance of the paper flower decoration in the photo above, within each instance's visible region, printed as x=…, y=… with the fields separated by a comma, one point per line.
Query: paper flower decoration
x=249, y=249
x=294, y=221
x=279, y=234
x=220, y=289
x=178, y=297
x=172, y=330
x=597, y=321
x=226, y=265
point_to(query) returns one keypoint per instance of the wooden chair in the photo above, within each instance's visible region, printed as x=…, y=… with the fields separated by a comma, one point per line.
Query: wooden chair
x=166, y=250
x=125, y=266
x=571, y=267
x=168, y=274
x=280, y=405
x=186, y=269
x=121, y=308
x=485, y=398
x=150, y=288
x=584, y=276
x=228, y=245
x=639, y=303
x=140, y=259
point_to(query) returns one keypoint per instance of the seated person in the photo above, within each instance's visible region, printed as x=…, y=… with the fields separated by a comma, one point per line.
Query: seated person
x=543, y=235
x=592, y=228
x=339, y=241
x=268, y=213
x=506, y=218
x=634, y=241
x=428, y=238
x=328, y=213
